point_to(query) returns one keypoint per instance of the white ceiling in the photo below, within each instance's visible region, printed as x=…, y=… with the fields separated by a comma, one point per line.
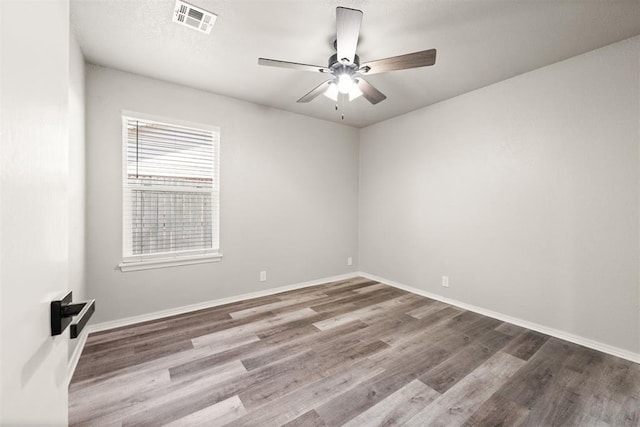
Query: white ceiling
x=478, y=42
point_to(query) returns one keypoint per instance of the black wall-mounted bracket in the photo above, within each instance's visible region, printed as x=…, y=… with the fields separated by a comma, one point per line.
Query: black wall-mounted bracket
x=63, y=310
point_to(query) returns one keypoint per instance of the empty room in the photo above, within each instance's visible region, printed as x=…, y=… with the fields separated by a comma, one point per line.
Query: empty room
x=320, y=213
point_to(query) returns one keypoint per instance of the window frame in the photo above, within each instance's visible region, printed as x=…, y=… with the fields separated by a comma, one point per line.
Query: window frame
x=172, y=258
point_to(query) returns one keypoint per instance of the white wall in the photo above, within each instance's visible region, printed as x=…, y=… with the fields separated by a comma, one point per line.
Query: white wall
x=289, y=197
x=76, y=206
x=525, y=193
x=34, y=213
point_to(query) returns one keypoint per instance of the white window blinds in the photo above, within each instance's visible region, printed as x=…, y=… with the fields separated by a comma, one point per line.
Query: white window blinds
x=170, y=190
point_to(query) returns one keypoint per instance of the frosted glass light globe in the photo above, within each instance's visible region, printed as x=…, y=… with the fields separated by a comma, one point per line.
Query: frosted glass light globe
x=345, y=83
x=332, y=92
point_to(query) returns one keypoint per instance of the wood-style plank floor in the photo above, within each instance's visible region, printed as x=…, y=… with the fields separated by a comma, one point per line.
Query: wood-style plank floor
x=356, y=353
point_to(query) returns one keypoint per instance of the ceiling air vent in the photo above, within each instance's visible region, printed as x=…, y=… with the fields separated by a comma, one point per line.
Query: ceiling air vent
x=193, y=17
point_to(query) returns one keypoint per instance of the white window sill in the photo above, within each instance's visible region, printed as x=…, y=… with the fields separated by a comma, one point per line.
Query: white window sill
x=167, y=262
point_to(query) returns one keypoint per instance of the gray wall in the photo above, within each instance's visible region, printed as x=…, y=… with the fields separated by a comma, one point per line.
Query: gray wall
x=525, y=193
x=289, y=197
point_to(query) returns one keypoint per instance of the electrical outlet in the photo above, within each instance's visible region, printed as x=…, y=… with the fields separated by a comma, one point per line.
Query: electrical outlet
x=263, y=276
x=445, y=281
x=349, y=261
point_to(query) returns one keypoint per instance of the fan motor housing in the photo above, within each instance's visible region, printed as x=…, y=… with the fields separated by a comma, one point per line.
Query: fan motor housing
x=349, y=67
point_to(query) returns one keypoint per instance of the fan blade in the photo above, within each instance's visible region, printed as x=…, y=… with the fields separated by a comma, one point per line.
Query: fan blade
x=294, y=65
x=369, y=92
x=321, y=88
x=402, y=62
x=347, y=31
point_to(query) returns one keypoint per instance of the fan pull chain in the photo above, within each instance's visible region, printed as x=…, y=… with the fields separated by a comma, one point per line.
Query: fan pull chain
x=342, y=114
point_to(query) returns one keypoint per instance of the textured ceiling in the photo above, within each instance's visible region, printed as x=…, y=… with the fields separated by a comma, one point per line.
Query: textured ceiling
x=478, y=42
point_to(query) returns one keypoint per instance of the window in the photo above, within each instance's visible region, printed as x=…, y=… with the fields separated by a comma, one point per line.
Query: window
x=170, y=194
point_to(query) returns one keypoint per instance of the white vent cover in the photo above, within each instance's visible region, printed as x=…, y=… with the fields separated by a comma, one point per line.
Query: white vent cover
x=193, y=17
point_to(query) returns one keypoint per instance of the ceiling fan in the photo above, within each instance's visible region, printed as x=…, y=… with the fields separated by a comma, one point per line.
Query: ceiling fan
x=345, y=68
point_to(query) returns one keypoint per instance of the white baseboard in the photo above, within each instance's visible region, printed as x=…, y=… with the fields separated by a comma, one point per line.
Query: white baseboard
x=75, y=357
x=208, y=304
x=576, y=339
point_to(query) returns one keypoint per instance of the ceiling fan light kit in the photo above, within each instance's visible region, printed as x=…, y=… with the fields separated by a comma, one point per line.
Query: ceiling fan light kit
x=344, y=66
